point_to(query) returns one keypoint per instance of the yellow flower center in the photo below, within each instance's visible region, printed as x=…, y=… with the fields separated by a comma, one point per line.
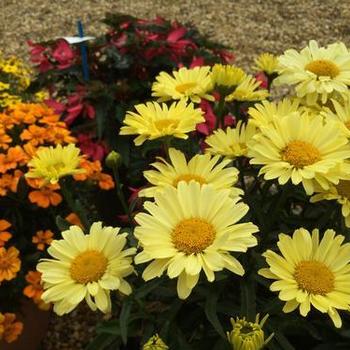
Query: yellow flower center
x=343, y=188
x=193, y=235
x=182, y=88
x=300, y=153
x=162, y=124
x=323, y=68
x=314, y=277
x=89, y=266
x=188, y=178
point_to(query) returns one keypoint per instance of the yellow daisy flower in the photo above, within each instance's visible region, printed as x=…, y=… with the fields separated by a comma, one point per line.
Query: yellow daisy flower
x=227, y=75
x=192, y=228
x=248, y=90
x=247, y=335
x=52, y=163
x=232, y=142
x=311, y=272
x=267, y=63
x=185, y=83
x=203, y=169
x=154, y=121
x=340, y=193
x=86, y=266
x=301, y=149
x=316, y=71
x=265, y=112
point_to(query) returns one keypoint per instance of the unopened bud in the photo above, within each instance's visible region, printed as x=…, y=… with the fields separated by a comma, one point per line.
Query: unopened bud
x=113, y=159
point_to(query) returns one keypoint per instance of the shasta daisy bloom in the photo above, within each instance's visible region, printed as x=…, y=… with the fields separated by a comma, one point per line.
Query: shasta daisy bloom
x=232, y=142
x=301, y=149
x=265, y=112
x=189, y=229
x=248, y=90
x=247, y=335
x=227, y=75
x=155, y=120
x=316, y=71
x=267, y=63
x=86, y=267
x=186, y=83
x=203, y=169
x=340, y=193
x=311, y=272
x=52, y=163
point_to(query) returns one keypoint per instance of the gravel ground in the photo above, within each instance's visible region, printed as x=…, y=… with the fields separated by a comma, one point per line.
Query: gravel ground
x=248, y=26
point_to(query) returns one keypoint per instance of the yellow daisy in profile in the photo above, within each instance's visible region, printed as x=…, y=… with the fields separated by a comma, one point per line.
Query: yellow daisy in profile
x=227, y=75
x=86, y=267
x=265, y=112
x=203, y=169
x=154, y=121
x=232, y=142
x=248, y=90
x=52, y=163
x=340, y=193
x=194, y=84
x=192, y=228
x=267, y=63
x=316, y=71
x=247, y=335
x=341, y=114
x=311, y=272
x=301, y=149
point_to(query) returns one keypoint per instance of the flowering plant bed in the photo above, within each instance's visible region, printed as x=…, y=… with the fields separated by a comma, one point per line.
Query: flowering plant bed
x=219, y=218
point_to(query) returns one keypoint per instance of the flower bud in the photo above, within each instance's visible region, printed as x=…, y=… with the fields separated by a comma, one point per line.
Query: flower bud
x=113, y=159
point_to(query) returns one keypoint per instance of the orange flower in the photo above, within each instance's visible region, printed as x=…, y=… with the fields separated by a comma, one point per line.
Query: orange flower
x=14, y=156
x=34, y=290
x=50, y=119
x=9, y=263
x=6, y=121
x=4, y=235
x=42, y=238
x=44, y=196
x=36, y=135
x=60, y=135
x=9, y=329
x=105, y=181
x=73, y=219
x=4, y=139
x=10, y=182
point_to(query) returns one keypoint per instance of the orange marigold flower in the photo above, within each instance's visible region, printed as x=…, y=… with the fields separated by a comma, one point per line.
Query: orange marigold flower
x=42, y=238
x=44, y=197
x=10, y=329
x=60, y=135
x=4, y=139
x=36, y=135
x=4, y=235
x=73, y=219
x=6, y=121
x=9, y=263
x=15, y=155
x=105, y=181
x=34, y=290
x=30, y=149
x=50, y=119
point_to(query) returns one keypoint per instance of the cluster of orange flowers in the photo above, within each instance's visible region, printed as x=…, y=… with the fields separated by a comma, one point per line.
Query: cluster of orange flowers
x=23, y=128
x=34, y=289
x=10, y=329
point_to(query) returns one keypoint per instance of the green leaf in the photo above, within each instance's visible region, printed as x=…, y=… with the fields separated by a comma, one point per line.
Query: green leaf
x=124, y=319
x=211, y=312
x=248, y=299
x=283, y=341
x=147, y=288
